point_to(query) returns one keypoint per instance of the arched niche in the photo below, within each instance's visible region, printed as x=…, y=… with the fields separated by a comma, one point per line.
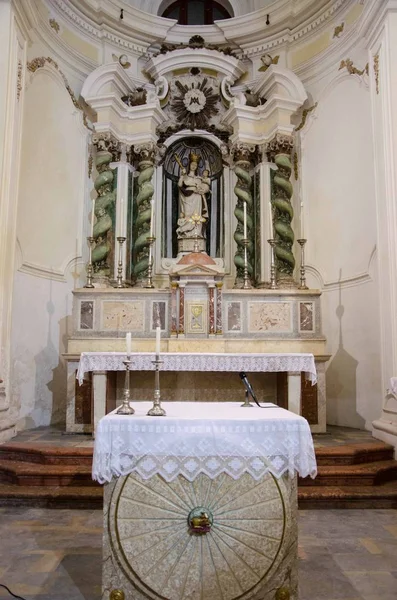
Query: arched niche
x=200, y=12
x=178, y=154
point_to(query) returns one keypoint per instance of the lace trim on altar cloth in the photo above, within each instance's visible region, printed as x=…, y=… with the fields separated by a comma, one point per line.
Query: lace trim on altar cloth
x=170, y=467
x=230, y=440
x=173, y=361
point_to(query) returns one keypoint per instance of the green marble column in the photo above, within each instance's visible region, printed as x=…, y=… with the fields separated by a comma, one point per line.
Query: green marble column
x=243, y=163
x=107, y=149
x=145, y=161
x=279, y=151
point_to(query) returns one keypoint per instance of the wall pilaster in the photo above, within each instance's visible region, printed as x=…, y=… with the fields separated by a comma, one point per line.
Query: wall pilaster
x=13, y=44
x=382, y=45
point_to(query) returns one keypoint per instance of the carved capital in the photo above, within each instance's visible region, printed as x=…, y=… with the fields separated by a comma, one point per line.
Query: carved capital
x=106, y=142
x=148, y=152
x=243, y=154
x=280, y=144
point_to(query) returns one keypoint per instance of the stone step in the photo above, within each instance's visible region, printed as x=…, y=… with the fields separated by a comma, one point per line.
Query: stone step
x=364, y=474
x=354, y=454
x=46, y=455
x=78, y=455
x=75, y=497
x=318, y=497
x=33, y=474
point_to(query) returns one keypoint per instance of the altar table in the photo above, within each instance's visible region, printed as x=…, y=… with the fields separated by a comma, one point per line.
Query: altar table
x=99, y=363
x=201, y=504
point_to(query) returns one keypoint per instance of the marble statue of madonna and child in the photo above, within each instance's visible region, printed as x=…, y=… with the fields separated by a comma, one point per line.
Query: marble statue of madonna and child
x=193, y=208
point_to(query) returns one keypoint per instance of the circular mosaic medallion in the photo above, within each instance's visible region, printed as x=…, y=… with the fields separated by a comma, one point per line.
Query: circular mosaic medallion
x=206, y=539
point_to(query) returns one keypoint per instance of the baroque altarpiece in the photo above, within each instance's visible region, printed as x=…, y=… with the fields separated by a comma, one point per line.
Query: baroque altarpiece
x=193, y=173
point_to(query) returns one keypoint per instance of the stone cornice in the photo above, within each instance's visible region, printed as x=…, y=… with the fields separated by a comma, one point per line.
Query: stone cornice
x=164, y=64
x=138, y=30
x=250, y=33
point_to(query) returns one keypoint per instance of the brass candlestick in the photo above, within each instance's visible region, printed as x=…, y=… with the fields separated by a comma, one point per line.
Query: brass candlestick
x=247, y=283
x=90, y=270
x=273, y=277
x=125, y=408
x=302, y=285
x=120, y=283
x=157, y=410
x=149, y=281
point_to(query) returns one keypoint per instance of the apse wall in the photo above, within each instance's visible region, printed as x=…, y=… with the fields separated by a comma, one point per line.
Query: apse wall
x=338, y=191
x=51, y=204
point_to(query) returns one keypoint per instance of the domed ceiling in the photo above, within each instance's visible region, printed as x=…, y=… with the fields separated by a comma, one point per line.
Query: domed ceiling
x=234, y=7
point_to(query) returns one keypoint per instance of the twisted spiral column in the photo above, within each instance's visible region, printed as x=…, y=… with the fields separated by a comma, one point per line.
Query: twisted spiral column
x=242, y=154
x=145, y=165
x=106, y=148
x=279, y=151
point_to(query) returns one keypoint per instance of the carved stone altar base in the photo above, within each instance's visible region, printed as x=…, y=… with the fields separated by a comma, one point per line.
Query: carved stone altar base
x=246, y=549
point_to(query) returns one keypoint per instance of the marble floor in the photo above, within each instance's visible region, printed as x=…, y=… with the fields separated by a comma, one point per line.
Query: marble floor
x=56, y=554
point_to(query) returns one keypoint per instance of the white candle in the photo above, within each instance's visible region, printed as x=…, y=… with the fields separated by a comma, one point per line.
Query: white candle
x=151, y=217
x=128, y=342
x=245, y=220
x=121, y=230
x=302, y=226
x=158, y=335
x=92, y=218
x=270, y=221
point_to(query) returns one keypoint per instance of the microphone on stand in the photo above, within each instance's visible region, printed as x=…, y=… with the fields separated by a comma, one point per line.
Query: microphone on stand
x=248, y=386
x=251, y=392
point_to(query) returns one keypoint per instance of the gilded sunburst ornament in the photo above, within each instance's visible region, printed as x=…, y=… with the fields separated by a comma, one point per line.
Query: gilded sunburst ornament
x=196, y=104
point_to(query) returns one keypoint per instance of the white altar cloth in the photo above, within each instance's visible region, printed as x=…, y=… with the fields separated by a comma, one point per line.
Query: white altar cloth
x=203, y=361
x=198, y=437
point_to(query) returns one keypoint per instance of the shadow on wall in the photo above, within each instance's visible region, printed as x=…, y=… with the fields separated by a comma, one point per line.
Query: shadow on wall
x=341, y=381
x=49, y=378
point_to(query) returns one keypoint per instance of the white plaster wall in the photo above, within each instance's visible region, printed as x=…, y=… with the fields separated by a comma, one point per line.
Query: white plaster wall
x=52, y=196
x=340, y=220
x=53, y=162
x=41, y=309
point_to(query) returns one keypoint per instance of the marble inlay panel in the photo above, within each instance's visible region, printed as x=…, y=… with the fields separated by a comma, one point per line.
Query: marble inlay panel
x=306, y=316
x=269, y=316
x=234, y=316
x=123, y=316
x=196, y=317
x=86, y=314
x=159, y=310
